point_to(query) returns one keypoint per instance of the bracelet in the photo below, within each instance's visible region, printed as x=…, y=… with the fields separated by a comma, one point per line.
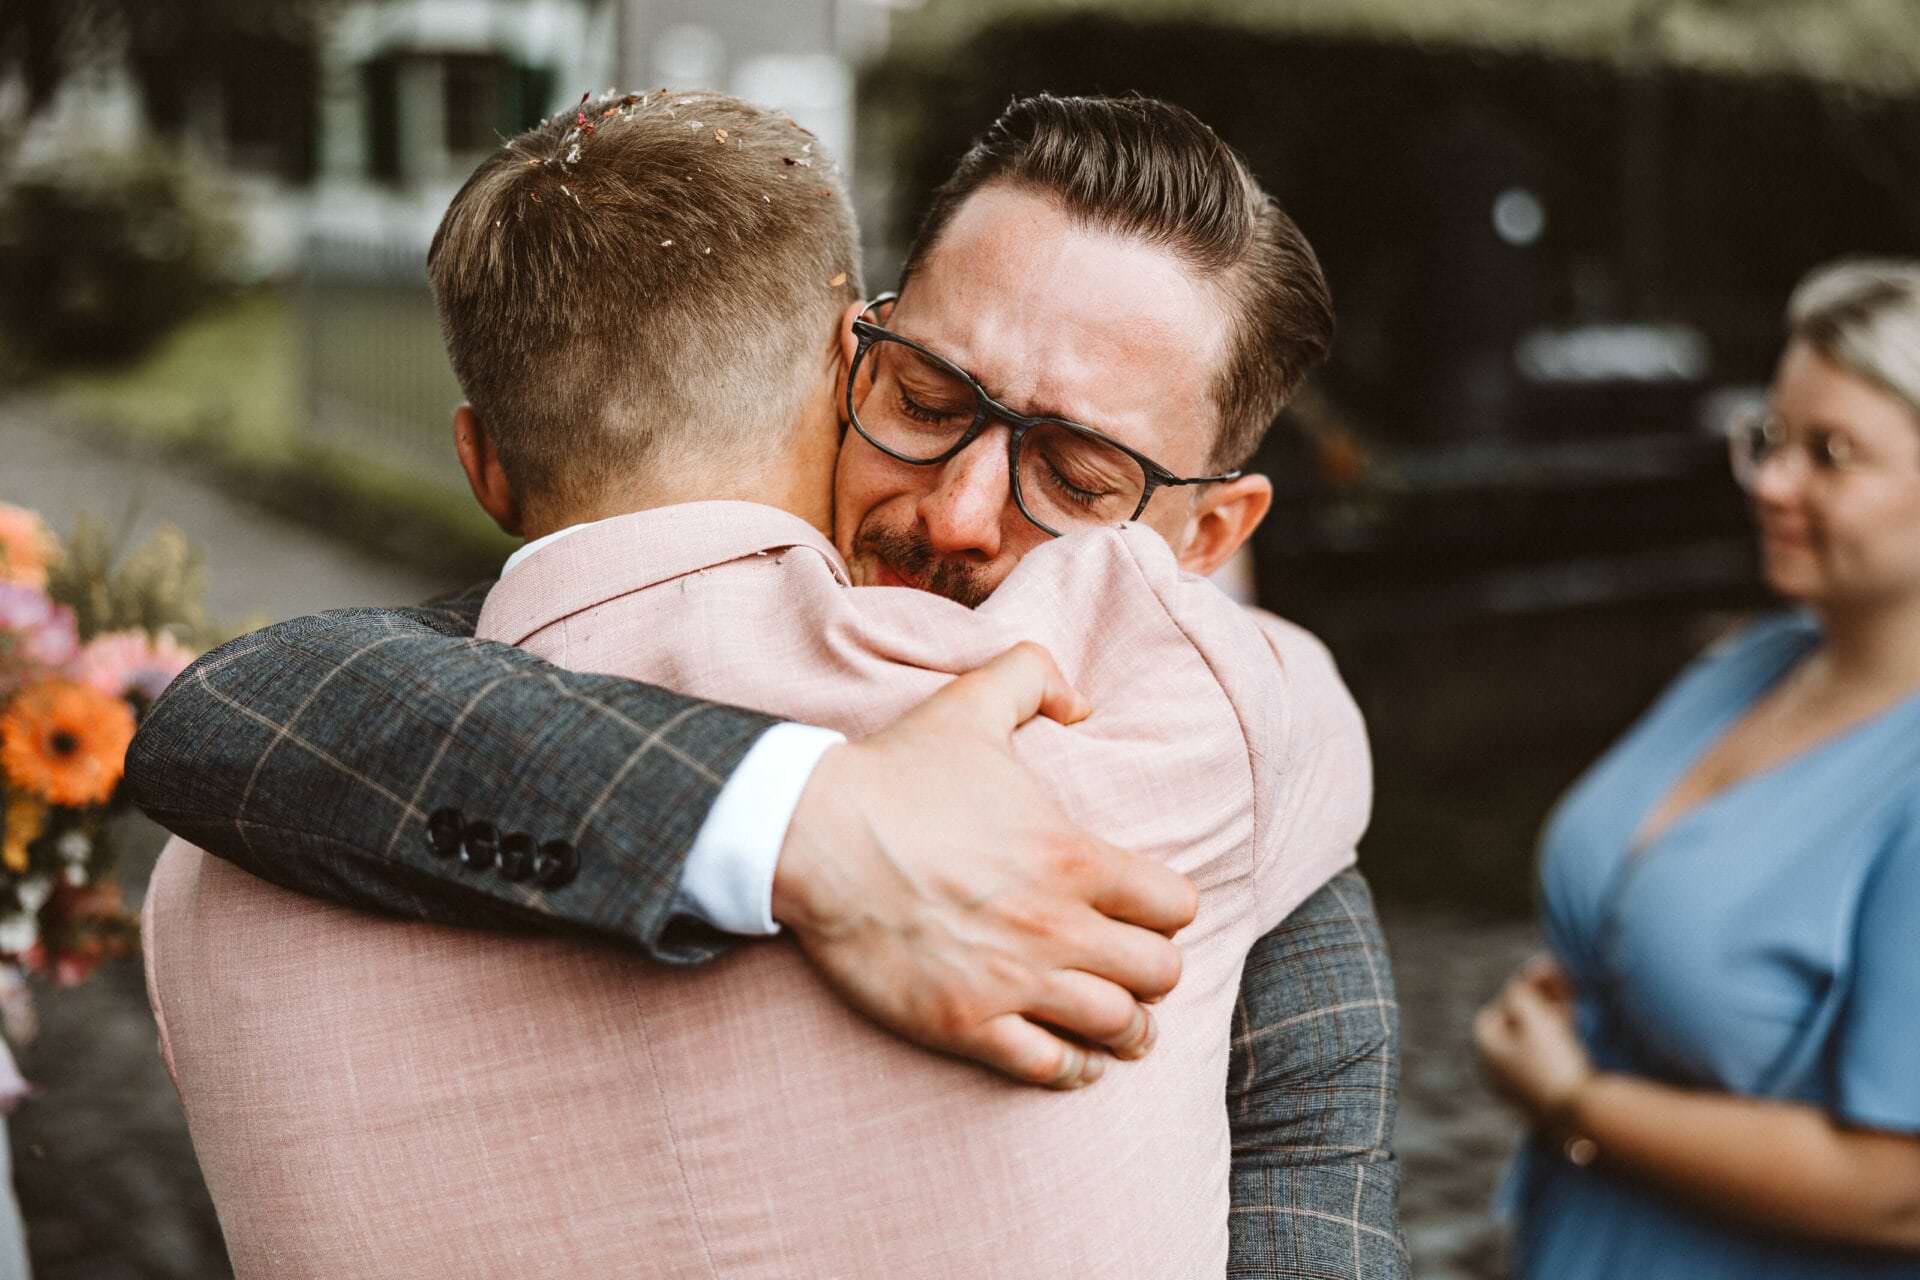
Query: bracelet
x=1579, y=1149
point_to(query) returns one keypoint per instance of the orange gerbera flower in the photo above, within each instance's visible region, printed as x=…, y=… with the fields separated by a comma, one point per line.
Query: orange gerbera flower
x=65, y=741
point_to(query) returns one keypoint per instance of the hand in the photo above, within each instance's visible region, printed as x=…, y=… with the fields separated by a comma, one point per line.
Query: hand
x=941, y=891
x=1528, y=1046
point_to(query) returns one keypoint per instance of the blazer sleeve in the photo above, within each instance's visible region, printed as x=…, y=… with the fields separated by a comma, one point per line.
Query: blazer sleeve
x=1311, y=1097
x=387, y=760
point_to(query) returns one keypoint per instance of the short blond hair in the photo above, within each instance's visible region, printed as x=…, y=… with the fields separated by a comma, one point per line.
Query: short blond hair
x=1864, y=315
x=644, y=279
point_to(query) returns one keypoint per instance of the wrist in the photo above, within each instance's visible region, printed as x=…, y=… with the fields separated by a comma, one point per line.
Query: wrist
x=1566, y=1113
x=799, y=896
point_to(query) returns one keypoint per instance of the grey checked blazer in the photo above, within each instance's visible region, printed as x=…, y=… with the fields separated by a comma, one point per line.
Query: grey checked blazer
x=330, y=754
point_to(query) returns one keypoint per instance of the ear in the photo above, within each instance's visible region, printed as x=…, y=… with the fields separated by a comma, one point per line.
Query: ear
x=485, y=476
x=841, y=351
x=1224, y=518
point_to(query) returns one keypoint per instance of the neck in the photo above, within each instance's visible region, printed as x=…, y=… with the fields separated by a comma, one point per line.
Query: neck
x=799, y=486
x=1876, y=644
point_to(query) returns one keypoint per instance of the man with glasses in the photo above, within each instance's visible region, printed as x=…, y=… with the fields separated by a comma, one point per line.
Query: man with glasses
x=917, y=407
x=983, y=427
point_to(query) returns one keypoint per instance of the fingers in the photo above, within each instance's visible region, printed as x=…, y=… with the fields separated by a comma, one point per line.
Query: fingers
x=1524, y=1004
x=1096, y=1010
x=1033, y=1055
x=1546, y=976
x=1538, y=967
x=1488, y=1025
x=1007, y=692
x=1137, y=960
x=1140, y=891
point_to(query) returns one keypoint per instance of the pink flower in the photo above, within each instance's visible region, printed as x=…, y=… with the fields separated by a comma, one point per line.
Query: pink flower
x=26, y=546
x=36, y=634
x=123, y=662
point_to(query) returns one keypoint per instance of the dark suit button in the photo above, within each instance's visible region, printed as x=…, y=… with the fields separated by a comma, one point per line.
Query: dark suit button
x=555, y=864
x=477, y=845
x=443, y=832
x=515, y=859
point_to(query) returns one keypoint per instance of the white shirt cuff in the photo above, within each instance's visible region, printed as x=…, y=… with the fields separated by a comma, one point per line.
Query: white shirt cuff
x=728, y=878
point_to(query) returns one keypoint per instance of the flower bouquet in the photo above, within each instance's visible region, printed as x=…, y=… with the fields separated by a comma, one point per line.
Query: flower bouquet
x=85, y=647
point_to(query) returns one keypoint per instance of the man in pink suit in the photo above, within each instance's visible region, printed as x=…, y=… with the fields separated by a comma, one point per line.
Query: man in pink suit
x=370, y=1098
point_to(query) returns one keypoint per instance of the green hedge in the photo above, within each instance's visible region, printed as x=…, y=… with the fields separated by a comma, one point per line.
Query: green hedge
x=102, y=254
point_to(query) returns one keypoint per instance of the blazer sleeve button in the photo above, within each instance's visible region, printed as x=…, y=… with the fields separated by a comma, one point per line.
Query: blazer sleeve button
x=515, y=859
x=478, y=845
x=444, y=828
x=555, y=864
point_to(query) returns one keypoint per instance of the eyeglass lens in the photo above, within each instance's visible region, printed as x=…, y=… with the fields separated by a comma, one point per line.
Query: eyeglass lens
x=1761, y=437
x=918, y=408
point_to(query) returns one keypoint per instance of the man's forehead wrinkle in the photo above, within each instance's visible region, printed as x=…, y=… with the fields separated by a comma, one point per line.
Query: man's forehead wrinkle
x=1045, y=319
x=1031, y=369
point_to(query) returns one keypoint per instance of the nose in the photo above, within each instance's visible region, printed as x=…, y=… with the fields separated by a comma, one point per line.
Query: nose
x=965, y=509
x=1779, y=476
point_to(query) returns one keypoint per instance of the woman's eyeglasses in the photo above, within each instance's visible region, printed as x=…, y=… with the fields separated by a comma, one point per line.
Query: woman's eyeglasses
x=1762, y=436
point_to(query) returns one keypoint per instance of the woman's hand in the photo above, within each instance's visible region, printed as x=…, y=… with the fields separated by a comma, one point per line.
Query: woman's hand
x=1527, y=1043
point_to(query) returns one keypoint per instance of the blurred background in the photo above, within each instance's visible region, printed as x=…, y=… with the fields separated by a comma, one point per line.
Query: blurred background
x=1560, y=237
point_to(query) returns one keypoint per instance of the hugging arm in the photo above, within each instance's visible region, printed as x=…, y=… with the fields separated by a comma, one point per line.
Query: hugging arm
x=387, y=760
x=383, y=758
x=1311, y=1091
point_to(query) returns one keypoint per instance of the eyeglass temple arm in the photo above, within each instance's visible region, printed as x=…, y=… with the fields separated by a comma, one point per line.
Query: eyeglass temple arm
x=1175, y=480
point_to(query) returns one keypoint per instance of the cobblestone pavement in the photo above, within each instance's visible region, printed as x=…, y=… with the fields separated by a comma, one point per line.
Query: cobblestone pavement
x=104, y=1171
x=1453, y=1137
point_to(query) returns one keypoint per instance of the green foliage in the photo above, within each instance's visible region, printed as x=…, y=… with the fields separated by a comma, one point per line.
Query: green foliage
x=156, y=587
x=104, y=253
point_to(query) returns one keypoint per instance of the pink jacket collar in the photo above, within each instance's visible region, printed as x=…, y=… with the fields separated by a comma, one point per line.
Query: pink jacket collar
x=636, y=551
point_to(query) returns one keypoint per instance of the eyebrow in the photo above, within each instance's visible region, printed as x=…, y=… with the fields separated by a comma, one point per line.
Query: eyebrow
x=1045, y=412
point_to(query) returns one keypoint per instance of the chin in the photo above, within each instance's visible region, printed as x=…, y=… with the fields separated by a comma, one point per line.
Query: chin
x=1797, y=583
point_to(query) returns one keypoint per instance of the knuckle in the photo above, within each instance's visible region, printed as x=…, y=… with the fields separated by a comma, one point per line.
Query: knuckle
x=1111, y=1023
x=1028, y=650
x=1069, y=858
x=1035, y=919
x=1065, y=1063
x=1042, y=1067
x=950, y=1013
x=1138, y=1034
x=1165, y=966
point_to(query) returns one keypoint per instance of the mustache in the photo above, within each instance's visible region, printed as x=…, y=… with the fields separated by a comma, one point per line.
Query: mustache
x=914, y=557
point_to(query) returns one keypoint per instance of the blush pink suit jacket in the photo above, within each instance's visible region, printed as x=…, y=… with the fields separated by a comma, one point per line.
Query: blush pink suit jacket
x=371, y=1098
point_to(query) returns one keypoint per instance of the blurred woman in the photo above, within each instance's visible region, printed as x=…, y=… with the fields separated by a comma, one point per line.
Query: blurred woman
x=1721, y=1062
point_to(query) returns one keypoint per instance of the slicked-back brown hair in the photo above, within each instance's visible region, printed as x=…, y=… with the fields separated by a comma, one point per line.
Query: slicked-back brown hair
x=644, y=280
x=1150, y=170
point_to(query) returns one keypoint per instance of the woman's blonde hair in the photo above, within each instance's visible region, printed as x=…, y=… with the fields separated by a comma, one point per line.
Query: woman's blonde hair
x=1864, y=315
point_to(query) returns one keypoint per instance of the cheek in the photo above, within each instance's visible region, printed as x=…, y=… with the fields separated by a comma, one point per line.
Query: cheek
x=1879, y=538
x=865, y=481
x=1167, y=515
x=1901, y=534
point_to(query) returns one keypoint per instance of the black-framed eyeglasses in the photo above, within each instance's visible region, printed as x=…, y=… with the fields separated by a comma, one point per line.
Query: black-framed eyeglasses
x=923, y=409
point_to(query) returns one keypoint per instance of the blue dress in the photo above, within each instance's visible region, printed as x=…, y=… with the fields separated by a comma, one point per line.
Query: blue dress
x=1766, y=943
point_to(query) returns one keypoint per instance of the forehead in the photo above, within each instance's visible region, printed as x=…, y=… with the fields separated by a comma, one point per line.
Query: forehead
x=1058, y=318
x=1813, y=390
